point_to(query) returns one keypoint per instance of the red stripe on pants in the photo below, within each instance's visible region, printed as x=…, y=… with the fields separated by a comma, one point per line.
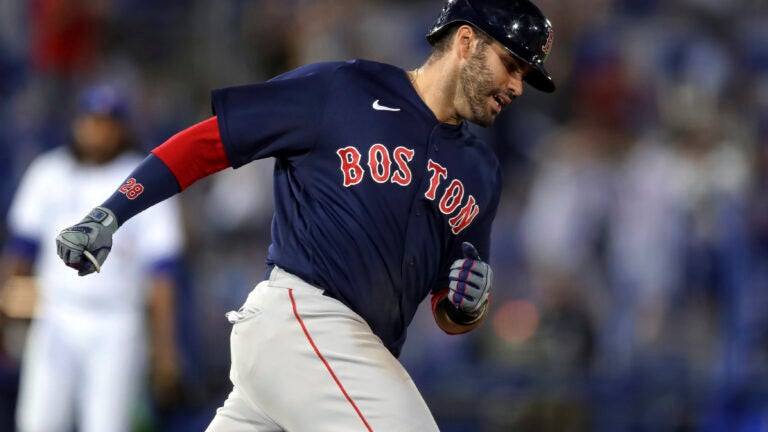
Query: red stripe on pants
x=327, y=366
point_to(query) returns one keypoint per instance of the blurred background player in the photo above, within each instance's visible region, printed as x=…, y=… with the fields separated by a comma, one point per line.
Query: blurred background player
x=84, y=359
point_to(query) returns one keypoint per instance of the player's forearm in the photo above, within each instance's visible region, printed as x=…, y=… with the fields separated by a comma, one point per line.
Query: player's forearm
x=188, y=156
x=150, y=183
x=185, y=158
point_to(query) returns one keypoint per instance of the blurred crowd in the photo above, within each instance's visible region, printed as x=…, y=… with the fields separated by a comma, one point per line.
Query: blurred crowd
x=630, y=247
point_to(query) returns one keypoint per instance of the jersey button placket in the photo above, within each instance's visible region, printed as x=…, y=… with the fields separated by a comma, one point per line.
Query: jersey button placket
x=431, y=147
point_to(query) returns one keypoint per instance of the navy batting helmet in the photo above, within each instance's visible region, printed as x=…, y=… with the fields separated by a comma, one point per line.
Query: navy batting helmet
x=516, y=24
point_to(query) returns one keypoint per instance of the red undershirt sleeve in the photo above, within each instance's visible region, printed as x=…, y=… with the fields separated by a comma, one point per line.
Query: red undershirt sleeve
x=194, y=153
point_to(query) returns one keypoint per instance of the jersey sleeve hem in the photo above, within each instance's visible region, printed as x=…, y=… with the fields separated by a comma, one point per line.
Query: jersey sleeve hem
x=217, y=107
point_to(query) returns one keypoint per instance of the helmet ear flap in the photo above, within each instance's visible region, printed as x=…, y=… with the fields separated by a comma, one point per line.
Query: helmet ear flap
x=518, y=25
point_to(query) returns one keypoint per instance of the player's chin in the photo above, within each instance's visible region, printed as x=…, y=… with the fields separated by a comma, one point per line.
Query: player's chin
x=483, y=114
x=486, y=118
x=490, y=113
x=483, y=121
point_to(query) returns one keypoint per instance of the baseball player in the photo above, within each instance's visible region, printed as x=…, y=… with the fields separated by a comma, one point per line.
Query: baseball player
x=84, y=357
x=382, y=196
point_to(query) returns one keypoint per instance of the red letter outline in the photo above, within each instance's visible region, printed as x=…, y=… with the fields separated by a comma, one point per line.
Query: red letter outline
x=350, y=166
x=465, y=216
x=439, y=171
x=402, y=156
x=374, y=163
x=453, y=193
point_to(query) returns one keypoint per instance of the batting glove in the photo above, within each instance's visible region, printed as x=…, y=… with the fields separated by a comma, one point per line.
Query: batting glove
x=85, y=246
x=470, y=282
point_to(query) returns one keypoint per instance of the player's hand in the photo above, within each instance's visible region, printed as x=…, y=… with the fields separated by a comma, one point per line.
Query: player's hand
x=470, y=282
x=85, y=246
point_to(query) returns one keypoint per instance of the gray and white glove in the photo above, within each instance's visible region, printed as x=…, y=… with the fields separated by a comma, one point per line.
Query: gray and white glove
x=85, y=246
x=470, y=283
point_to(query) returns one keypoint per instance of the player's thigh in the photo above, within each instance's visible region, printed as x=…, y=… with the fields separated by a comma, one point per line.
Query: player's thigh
x=240, y=415
x=112, y=379
x=318, y=367
x=46, y=392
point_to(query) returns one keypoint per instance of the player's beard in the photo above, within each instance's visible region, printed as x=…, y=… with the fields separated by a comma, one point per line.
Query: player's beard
x=476, y=80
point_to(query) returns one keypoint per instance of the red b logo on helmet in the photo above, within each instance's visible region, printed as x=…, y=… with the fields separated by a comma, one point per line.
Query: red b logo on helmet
x=548, y=44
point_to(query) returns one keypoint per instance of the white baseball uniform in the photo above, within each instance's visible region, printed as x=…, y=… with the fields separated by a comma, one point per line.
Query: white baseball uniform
x=84, y=360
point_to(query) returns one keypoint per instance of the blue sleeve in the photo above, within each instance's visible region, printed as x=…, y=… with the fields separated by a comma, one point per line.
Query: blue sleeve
x=279, y=118
x=156, y=182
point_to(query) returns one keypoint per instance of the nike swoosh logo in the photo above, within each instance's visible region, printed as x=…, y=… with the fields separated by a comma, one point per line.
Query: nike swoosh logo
x=379, y=107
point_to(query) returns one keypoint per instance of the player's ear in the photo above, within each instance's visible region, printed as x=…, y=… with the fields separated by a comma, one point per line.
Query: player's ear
x=464, y=41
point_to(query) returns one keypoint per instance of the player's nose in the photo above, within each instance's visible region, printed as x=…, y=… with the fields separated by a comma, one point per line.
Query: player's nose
x=515, y=84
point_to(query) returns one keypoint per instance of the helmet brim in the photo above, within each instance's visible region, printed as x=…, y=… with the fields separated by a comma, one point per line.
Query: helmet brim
x=539, y=78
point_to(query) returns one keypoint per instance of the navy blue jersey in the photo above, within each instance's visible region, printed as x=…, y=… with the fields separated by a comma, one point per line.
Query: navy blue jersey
x=373, y=196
